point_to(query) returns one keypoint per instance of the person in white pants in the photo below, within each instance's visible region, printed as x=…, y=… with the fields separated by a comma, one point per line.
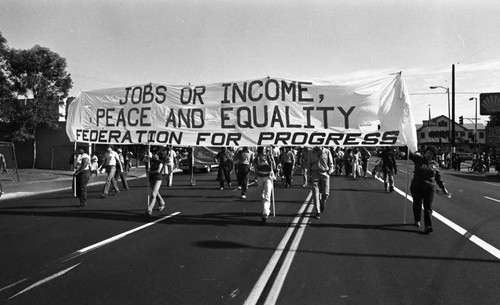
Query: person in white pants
x=263, y=165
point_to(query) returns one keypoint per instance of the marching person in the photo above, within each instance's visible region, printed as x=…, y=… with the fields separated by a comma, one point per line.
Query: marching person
x=365, y=156
x=422, y=186
x=3, y=164
x=304, y=159
x=82, y=174
x=94, y=165
x=244, y=161
x=120, y=169
x=225, y=160
x=155, y=179
x=169, y=164
x=264, y=167
x=109, y=162
x=288, y=165
x=320, y=167
x=389, y=168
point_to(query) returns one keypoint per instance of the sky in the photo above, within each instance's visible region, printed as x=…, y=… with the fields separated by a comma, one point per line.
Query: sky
x=118, y=43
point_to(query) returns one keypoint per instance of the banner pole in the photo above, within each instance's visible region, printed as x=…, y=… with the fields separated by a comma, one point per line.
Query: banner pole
x=274, y=202
x=147, y=174
x=74, y=178
x=407, y=181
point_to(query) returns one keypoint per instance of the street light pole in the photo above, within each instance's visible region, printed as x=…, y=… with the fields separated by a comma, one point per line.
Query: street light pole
x=475, y=124
x=449, y=118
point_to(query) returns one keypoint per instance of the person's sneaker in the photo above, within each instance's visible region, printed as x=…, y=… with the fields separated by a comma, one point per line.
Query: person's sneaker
x=304, y=185
x=239, y=187
x=103, y=196
x=161, y=207
x=149, y=212
x=391, y=189
x=317, y=216
x=417, y=223
x=428, y=230
x=243, y=196
x=221, y=188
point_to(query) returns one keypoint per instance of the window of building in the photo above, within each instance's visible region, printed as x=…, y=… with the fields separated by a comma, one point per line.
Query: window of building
x=443, y=124
x=470, y=135
x=422, y=135
x=481, y=135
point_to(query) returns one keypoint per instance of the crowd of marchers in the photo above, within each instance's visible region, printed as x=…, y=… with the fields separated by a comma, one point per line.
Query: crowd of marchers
x=272, y=166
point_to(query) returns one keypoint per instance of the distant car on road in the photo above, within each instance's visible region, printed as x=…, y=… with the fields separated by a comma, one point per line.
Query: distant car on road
x=464, y=156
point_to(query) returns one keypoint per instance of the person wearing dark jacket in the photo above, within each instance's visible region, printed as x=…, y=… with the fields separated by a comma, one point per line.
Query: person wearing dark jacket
x=389, y=168
x=422, y=187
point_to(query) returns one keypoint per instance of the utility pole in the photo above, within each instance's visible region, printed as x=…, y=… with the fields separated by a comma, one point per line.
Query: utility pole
x=453, y=108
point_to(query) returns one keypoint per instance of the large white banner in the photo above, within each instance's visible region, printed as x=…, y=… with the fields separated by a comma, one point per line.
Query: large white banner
x=248, y=113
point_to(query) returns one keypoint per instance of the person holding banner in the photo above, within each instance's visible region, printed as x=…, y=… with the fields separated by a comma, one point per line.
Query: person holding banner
x=225, y=160
x=155, y=178
x=109, y=162
x=422, y=186
x=320, y=167
x=264, y=167
x=304, y=159
x=82, y=174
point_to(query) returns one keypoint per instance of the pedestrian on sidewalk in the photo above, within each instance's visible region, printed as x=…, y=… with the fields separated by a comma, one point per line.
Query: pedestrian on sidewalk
x=244, y=160
x=264, y=168
x=82, y=174
x=109, y=163
x=120, y=170
x=320, y=167
x=155, y=178
x=422, y=185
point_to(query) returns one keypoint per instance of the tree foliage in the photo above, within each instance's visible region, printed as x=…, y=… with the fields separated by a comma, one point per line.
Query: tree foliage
x=40, y=75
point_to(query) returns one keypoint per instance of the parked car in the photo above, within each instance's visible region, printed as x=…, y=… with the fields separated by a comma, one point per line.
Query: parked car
x=464, y=156
x=184, y=166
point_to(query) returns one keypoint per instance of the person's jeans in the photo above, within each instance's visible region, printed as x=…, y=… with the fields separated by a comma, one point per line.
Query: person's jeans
x=422, y=195
x=110, y=180
x=265, y=189
x=82, y=180
x=242, y=177
x=321, y=190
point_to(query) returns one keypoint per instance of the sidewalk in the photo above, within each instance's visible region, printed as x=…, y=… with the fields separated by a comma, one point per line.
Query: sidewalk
x=39, y=181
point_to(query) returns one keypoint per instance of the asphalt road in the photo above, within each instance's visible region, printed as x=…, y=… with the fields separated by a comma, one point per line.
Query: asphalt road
x=209, y=246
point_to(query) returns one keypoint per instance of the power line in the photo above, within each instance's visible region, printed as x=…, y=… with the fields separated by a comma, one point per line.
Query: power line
x=479, y=51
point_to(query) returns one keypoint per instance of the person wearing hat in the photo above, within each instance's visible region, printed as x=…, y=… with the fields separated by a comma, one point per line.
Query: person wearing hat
x=120, y=169
x=422, y=185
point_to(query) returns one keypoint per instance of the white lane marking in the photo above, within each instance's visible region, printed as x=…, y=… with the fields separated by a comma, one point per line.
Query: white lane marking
x=266, y=274
x=280, y=279
x=497, y=200
x=13, y=284
x=40, y=282
x=116, y=237
x=491, y=183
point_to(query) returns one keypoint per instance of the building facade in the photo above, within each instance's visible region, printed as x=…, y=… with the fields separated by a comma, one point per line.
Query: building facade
x=437, y=132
